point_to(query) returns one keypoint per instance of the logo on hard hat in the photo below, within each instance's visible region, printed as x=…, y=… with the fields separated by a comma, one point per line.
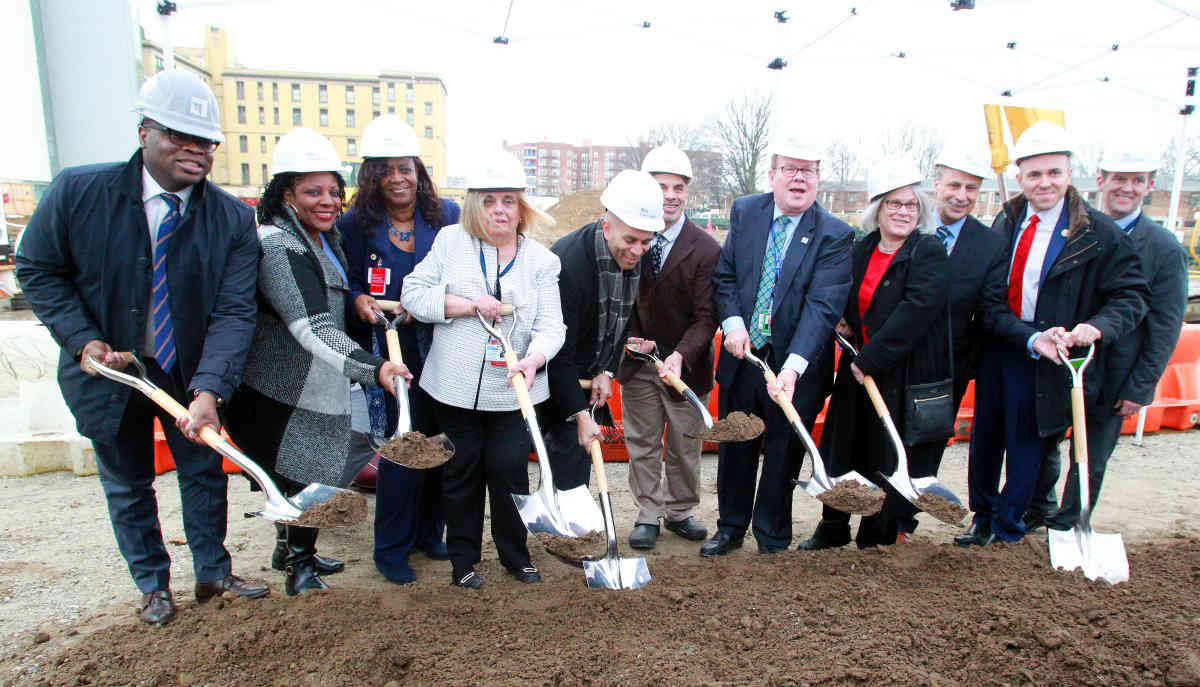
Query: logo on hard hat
x=649, y=213
x=199, y=107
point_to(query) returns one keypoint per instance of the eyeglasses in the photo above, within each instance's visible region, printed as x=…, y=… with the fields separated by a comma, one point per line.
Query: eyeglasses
x=181, y=139
x=790, y=171
x=894, y=205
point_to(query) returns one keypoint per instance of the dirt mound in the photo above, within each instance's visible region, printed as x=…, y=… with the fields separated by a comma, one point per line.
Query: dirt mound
x=570, y=213
x=916, y=614
x=414, y=450
x=736, y=426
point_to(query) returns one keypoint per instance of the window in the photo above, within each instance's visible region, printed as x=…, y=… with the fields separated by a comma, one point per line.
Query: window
x=241, y=90
x=266, y=178
x=241, y=114
x=245, y=174
x=375, y=114
x=350, y=119
x=158, y=63
x=391, y=110
x=324, y=118
x=296, y=116
x=275, y=94
x=260, y=90
x=243, y=147
x=322, y=94
x=276, y=140
x=428, y=108
x=262, y=115
x=428, y=132
x=349, y=95
x=351, y=147
x=409, y=93
x=375, y=95
x=275, y=112
x=408, y=115
x=295, y=92
x=391, y=92
x=262, y=144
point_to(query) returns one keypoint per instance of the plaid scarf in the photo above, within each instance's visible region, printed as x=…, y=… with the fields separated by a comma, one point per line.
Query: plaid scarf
x=616, y=290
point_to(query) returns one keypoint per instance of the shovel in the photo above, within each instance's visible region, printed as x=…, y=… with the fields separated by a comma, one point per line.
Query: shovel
x=612, y=571
x=1099, y=555
x=820, y=482
x=562, y=513
x=911, y=489
x=675, y=382
x=278, y=507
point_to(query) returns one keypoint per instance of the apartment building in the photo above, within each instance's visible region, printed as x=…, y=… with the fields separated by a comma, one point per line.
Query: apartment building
x=558, y=169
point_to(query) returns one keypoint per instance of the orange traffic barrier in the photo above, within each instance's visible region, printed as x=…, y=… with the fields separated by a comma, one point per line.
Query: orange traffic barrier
x=163, y=462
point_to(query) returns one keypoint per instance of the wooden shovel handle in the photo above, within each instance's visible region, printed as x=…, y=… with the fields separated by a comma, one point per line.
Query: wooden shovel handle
x=789, y=411
x=393, y=346
x=518, y=385
x=169, y=404
x=1079, y=420
x=505, y=308
x=881, y=408
x=585, y=384
x=672, y=378
x=598, y=465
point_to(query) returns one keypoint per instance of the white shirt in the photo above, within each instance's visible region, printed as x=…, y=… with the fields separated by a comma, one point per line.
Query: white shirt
x=156, y=209
x=1031, y=281
x=669, y=237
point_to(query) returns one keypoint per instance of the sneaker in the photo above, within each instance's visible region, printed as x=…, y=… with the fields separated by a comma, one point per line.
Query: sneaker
x=904, y=537
x=471, y=580
x=528, y=575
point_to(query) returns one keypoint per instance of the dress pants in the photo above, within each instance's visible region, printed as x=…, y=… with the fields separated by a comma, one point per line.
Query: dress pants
x=1005, y=435
x=664, y=483
x=570, y=463
x=1102, y=435
x=770, y=508
x=126, y=470
x=491, y=449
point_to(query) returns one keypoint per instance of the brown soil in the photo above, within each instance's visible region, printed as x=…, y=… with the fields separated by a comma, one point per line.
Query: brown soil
x=590, y=545
x=570, y=213
x=853, y=497
x=914, y=614
x=947, y=511
x=345, y=509
x=414, y=450
x=736, y=426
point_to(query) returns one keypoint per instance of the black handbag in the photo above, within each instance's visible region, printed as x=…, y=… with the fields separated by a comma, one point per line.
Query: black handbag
x=929, y=407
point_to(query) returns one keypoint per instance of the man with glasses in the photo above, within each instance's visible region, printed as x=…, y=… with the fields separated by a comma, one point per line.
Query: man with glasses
x=781, y=285
x=148, y=256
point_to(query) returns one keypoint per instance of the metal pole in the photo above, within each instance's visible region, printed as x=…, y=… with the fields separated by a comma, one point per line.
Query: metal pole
x=165, y=9
x=1180, y=147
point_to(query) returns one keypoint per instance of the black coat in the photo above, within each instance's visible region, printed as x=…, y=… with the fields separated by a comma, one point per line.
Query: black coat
x=908, y=342
x=84, y=263
x=977, y=274
x=1095, y=278
x=1137, y=361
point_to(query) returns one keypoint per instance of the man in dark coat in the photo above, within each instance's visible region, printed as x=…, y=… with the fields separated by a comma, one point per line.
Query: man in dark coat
x=1136, y=361
x=148, y=256
x=1070, y=267
x=674, y=309
x=781, y=285
x=598, y=283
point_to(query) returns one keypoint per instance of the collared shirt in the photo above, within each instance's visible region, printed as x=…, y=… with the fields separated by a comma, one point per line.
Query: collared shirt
x=1126, y=223
x=1031, y=282
x=672, y=232
x=156, y=210
x=955, y=229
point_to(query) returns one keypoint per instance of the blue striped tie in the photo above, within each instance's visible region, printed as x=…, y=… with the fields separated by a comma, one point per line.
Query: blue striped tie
x=160, y=297
x=943, y=233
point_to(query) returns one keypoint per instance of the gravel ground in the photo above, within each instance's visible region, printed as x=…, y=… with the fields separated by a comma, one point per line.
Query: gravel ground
x=59, y=565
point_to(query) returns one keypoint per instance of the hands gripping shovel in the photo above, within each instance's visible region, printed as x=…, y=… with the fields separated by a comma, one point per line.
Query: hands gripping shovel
x=1099, y=555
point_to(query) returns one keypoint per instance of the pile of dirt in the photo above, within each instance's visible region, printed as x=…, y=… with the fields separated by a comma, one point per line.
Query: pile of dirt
x=850, y=496
x=736, y=426
x=414, y=450
x=590, y=545
x=570, y=213
x=345, y=509
x=942, y=508
x=914, y=614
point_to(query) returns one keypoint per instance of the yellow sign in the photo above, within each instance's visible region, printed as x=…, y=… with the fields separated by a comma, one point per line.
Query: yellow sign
x=1019, y=119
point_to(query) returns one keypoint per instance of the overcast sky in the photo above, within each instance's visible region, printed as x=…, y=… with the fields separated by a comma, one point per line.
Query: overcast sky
x=577, y=69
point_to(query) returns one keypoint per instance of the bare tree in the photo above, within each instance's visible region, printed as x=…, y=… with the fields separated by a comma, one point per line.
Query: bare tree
x=1085, y=159
x=739, y=134
x=684, y=136
x=920, y=144
x=706, y=188
x=1191, y=162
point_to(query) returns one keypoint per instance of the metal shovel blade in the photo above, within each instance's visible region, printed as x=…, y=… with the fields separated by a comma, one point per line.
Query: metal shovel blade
x=563, y=513
x=1100, y=556
x=613, y=571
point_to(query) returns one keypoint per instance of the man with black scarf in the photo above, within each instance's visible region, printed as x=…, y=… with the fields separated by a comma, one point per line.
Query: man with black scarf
x=598, y=283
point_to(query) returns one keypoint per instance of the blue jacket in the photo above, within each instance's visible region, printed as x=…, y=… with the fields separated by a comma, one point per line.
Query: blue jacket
x=84, y=264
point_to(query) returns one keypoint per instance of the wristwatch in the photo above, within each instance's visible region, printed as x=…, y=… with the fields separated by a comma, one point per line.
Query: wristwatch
x=220, y=401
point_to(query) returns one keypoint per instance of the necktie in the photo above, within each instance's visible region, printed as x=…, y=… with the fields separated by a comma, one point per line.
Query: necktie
x=160, y=298
x=1016, y=280
x=766, y=282
x=947, y=240
x=655, y=254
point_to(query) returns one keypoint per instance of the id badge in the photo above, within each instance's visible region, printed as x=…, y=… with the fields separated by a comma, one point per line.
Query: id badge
x=378, y=279
x=493, y=353
x=764, y=323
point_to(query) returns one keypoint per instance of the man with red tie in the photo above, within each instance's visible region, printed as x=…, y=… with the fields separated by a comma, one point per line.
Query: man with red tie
x=1074, y=279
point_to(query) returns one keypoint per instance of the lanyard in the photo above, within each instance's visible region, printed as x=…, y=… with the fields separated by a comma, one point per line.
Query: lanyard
x=501, y=270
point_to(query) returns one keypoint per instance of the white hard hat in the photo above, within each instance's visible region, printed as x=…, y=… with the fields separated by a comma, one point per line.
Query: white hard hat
x=668, y=159
x=891, y=175
x=1042, y=138
x=303, y=151
x=498, y=172
x=635, y=198
x=389, y=136
x=966, y=163
x=793, y=146
x=181, y=101
x=1127, y=161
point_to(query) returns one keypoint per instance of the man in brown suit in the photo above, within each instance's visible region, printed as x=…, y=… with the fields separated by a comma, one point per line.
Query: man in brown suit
x=674, y=309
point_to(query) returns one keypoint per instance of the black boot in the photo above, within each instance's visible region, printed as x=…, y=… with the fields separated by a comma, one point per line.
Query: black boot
x=302, y=574
x=325, y=566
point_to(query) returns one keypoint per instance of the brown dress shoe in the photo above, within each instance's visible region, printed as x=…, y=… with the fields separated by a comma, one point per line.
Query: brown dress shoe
x=232, y=584
x=158, y=608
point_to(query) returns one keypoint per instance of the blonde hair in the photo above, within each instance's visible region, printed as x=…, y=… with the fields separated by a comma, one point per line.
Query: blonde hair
x=868, y=220
x=474, y=217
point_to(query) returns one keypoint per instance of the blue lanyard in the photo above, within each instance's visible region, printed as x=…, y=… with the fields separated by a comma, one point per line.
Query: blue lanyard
x=502, y=270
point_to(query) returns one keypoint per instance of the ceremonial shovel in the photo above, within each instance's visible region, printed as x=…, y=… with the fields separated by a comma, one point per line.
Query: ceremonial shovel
x=563, y=513
x=1099, y=555
x=612, y=571
x=675, y=382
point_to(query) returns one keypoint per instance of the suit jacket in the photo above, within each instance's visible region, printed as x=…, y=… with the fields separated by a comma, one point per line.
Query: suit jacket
x=977, y=274
x=810, y=292
x=84, y=262
x=1137, y=360
x=676, y=310
x=1091, y=274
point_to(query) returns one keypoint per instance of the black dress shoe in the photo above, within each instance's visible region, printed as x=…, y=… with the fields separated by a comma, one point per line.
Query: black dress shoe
x=688, y=528
x=644, y=536
x=528, y=575
x=471, y=580
x=232, y=584
x=823, y=540
x=1033, y=520
x=720, y=544
x=978, y=534
x=158, y=608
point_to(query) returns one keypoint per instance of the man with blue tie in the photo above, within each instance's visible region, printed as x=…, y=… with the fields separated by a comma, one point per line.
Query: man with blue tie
x=148, y=256
x=1069, y=266
x=782, y=282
